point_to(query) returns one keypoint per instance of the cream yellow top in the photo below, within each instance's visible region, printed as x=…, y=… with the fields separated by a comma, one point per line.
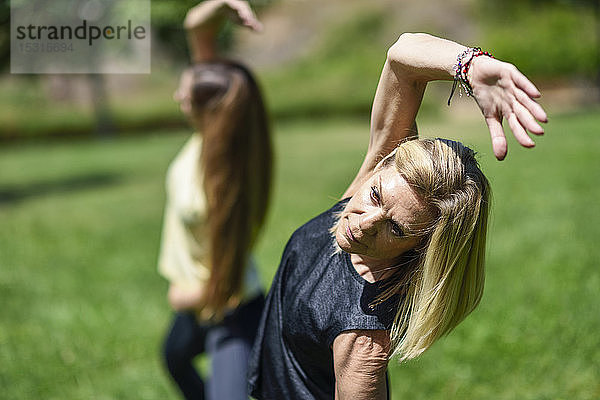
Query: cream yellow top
x=183, y=250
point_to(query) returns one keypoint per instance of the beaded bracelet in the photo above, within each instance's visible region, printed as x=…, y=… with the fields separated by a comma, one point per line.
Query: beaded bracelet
x=462, y=69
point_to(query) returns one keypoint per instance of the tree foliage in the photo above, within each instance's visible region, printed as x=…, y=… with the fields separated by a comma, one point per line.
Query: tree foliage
x=167, y=19
x=4, y=34
x=550, y=38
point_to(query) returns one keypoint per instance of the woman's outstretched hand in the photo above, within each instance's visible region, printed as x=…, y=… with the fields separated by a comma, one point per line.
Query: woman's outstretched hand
x=503, y=92
x=241, y=13
x=238, y=11
x=203, y=21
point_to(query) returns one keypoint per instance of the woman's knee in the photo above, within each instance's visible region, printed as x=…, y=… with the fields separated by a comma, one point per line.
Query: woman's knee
x=184, y=341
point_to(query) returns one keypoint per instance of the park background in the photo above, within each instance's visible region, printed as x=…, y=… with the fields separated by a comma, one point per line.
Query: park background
x=83, y=159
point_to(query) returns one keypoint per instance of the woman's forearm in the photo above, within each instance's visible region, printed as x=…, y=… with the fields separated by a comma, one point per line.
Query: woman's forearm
x=202, y=24
x=203, y=14
x=500, y=90
x=412, y=61
x=202, y=44
x=203, y=21
x=423, y=57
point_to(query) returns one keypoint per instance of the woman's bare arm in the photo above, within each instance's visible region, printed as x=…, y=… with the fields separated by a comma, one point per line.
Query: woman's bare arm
x=500, y=90
x=203, y=21
x=185, y=298
x=411, y=62
x=360, y=359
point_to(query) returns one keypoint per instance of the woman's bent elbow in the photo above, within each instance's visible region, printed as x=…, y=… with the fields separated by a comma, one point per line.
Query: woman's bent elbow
x=401, y=51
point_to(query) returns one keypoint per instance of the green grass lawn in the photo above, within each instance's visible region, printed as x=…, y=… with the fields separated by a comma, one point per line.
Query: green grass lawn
x=84, y=311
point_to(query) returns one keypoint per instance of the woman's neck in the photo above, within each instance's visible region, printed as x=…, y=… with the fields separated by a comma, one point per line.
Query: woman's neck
x=372, y=269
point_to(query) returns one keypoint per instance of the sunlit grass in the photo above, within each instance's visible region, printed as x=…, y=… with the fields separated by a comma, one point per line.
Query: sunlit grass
x=84, y=311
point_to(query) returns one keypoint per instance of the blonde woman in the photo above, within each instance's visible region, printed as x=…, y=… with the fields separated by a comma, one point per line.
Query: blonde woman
x=405, y=264
x=217, y=192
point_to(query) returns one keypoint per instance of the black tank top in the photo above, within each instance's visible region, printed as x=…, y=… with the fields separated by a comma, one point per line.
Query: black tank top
x=315, y=295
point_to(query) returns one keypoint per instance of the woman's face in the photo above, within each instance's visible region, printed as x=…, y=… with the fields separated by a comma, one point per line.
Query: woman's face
x=381, y=219
x=183, y=94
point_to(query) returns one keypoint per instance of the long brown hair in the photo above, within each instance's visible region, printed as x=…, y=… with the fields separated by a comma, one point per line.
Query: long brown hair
x=236, y=166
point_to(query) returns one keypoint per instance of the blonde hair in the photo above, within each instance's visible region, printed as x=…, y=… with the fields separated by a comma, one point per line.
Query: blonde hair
x=445, y=280
x=236, y=163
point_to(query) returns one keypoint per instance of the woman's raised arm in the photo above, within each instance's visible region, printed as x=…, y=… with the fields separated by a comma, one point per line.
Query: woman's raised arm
x=500, y=90
x=203, y=21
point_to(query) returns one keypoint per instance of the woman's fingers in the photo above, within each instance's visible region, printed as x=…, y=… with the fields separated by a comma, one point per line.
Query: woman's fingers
x=255, y=24
x=519, y=132
x=524, y=84
x=531, y=105
x=498, y=138
x=527, y=120
x=505, y=93
x=252, y=23
x=245, y=14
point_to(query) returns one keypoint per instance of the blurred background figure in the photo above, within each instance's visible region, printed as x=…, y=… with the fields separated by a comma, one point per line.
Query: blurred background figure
x=217, y=193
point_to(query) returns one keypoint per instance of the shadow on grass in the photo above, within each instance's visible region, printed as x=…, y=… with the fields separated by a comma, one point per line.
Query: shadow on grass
x=13, y=194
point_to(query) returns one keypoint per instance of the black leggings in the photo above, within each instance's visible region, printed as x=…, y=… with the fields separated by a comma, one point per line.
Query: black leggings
x=228, y=344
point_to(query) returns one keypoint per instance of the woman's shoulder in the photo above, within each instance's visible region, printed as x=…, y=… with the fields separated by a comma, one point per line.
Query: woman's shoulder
x=325, y=220
x=314, y=234
x=317, y=229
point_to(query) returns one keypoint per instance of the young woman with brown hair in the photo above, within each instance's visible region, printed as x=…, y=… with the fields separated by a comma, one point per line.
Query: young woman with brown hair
x=217, y=195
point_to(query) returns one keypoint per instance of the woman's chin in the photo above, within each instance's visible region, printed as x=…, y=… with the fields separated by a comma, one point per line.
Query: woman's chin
x=343, y=242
